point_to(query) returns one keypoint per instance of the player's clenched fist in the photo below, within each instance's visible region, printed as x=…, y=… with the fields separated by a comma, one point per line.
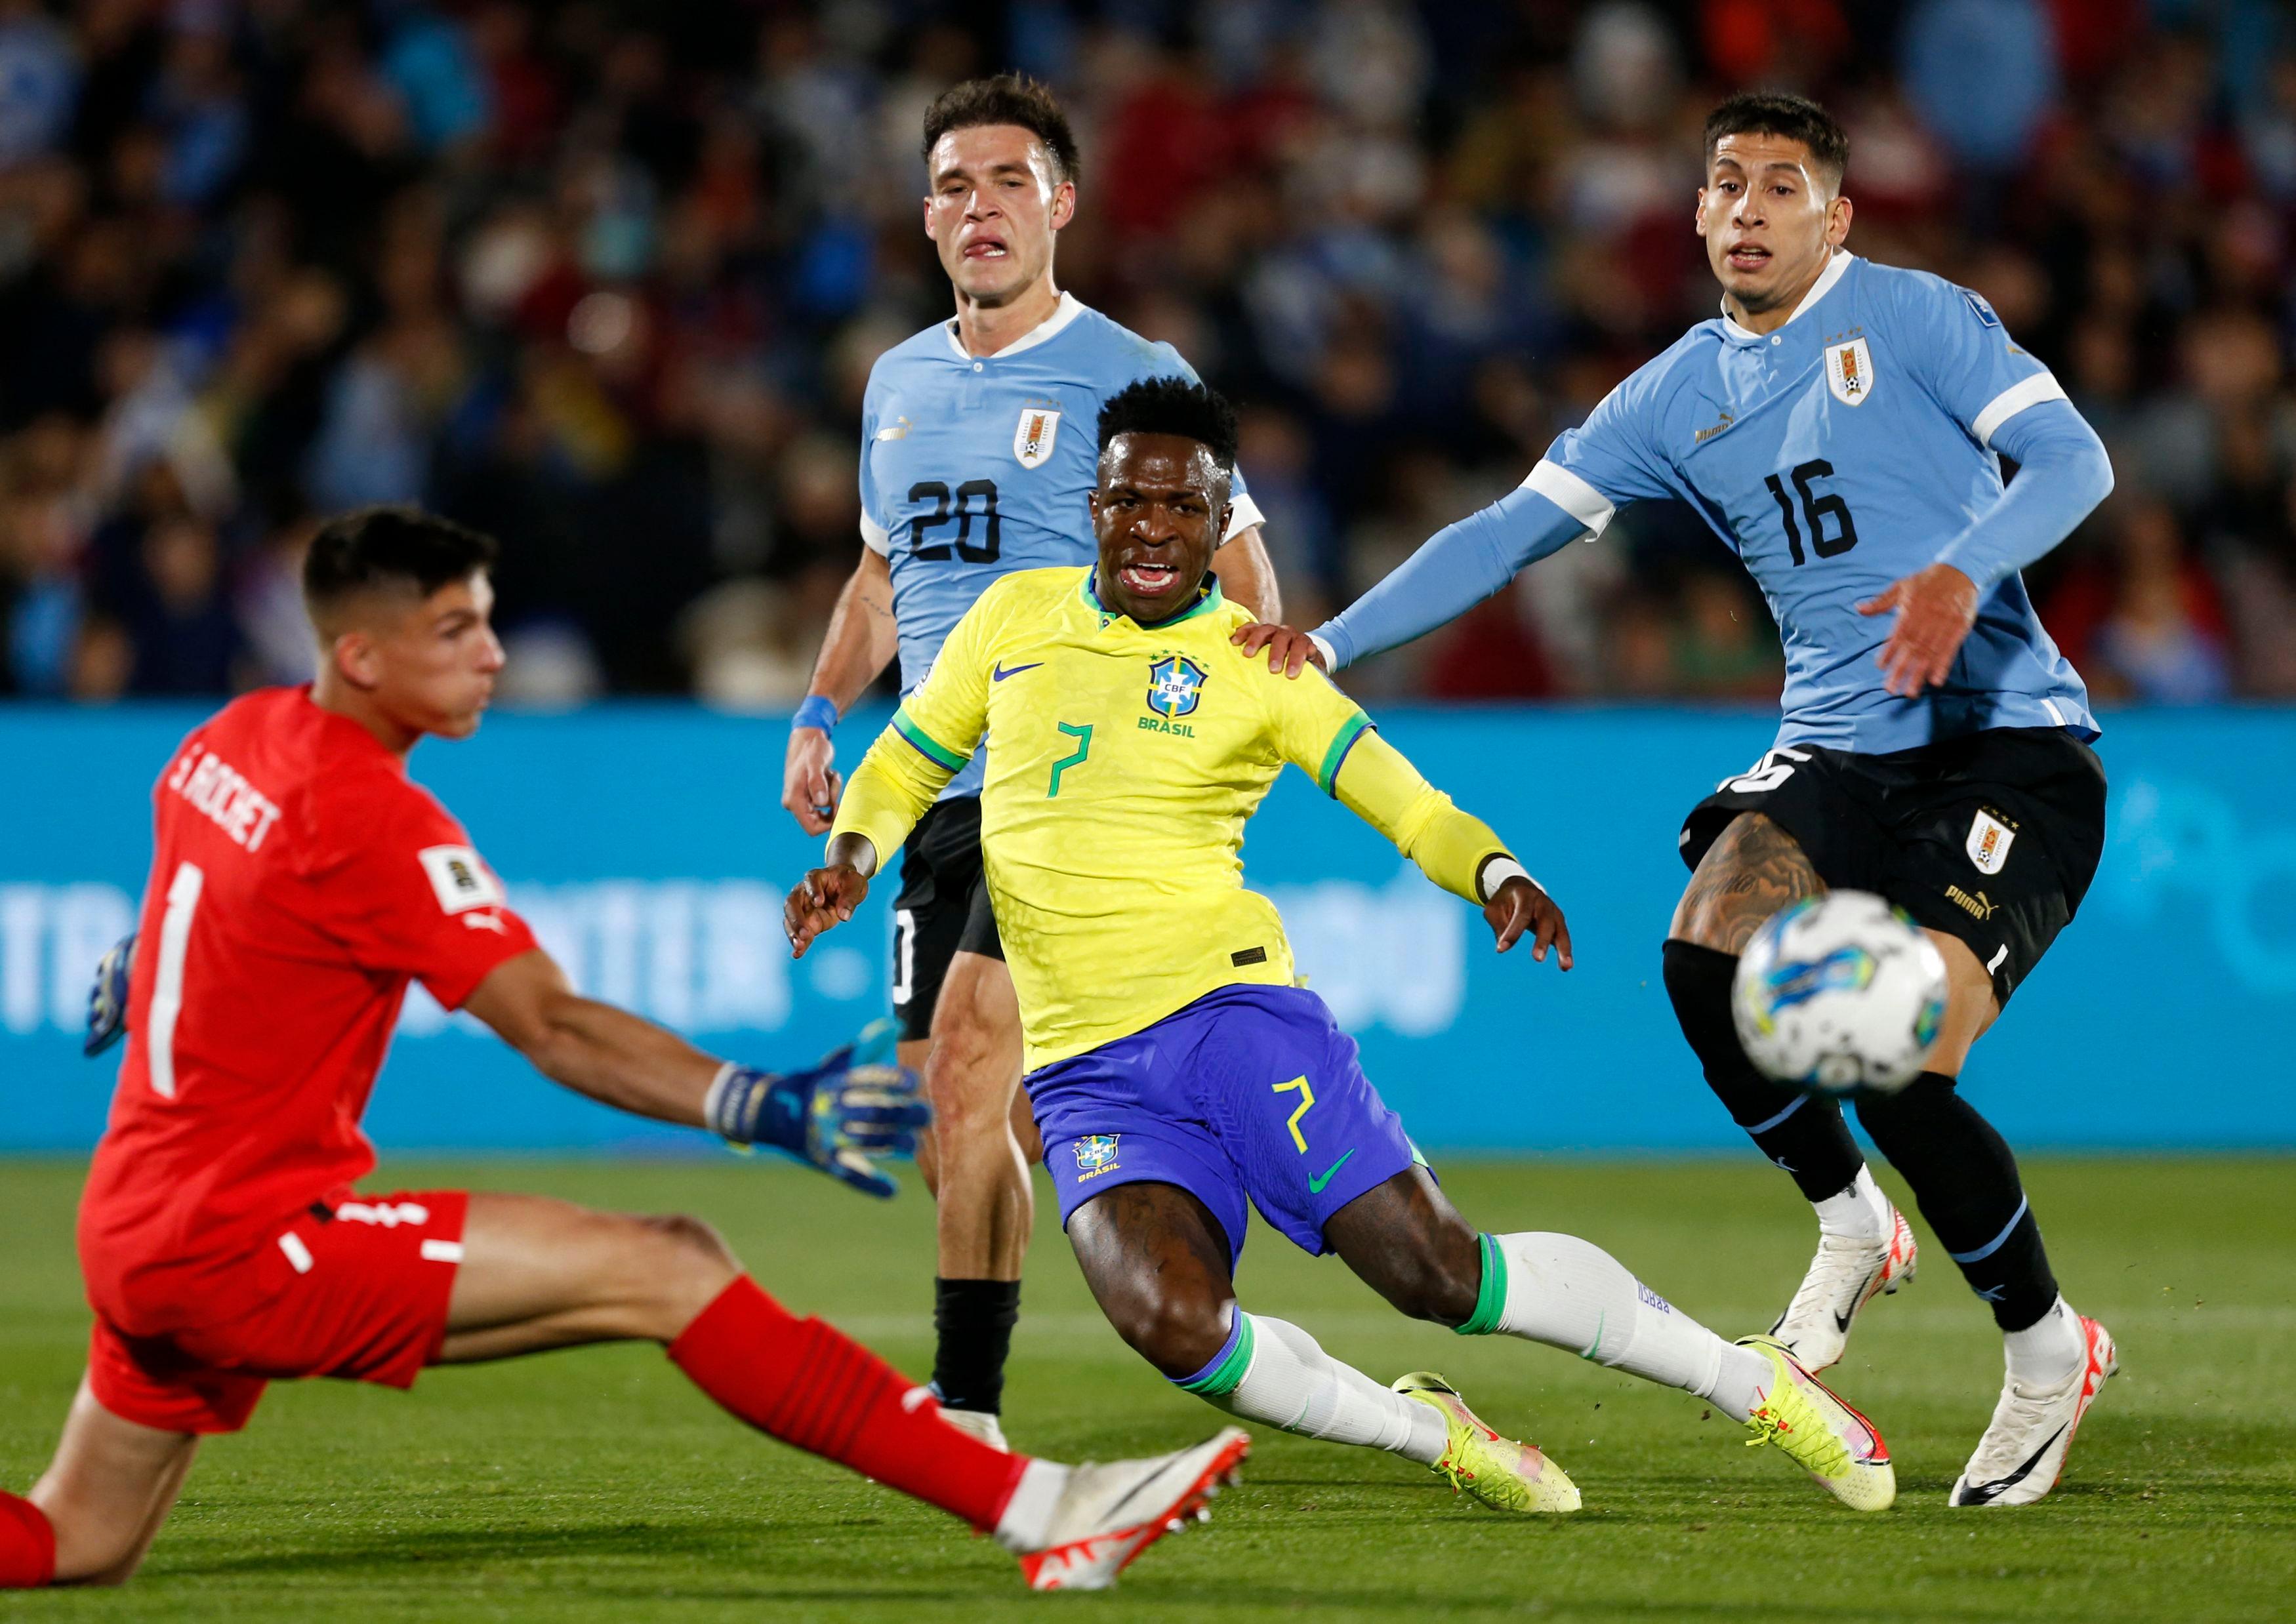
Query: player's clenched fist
x=823, y=900
x=810, y=783
x=1519, y=906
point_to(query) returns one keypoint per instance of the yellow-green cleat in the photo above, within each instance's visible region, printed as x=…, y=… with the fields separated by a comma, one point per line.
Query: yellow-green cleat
x=1818, y=1433
x=1502, y=1473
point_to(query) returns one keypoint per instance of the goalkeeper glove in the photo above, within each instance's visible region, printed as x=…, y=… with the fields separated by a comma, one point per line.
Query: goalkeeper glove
x=837, y=1115
x=107, y=1000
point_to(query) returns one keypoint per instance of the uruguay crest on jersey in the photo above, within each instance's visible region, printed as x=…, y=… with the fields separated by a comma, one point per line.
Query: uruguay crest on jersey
x=1174, y=686
x=1033, y=436
x=1849, y=371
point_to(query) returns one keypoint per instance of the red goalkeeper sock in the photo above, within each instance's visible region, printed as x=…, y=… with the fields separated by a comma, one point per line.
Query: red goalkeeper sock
x=808, y=1383
x=28, y=1545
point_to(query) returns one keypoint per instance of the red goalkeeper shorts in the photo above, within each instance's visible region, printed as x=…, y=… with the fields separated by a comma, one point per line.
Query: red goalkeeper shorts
x=358, y=1292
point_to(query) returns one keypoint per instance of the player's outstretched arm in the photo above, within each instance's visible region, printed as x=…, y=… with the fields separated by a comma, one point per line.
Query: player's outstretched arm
x=1457, y=568
x=835, y=1115
x=613, y=1056
x=2063, y=475
x=1456, y=850
x=861, y=642
x=1323, y=732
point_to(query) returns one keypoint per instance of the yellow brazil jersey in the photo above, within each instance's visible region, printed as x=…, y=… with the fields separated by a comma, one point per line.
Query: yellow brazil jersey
x=1123, y=761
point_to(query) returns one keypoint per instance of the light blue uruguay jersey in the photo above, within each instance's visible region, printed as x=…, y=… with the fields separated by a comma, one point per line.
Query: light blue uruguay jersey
x=1836, y=455
x=975, y=466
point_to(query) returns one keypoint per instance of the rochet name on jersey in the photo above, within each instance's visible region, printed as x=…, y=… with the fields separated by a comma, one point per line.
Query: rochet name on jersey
x=223, y=792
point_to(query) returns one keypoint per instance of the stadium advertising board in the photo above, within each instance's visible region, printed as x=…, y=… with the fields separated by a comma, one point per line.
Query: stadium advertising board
x=647, y=846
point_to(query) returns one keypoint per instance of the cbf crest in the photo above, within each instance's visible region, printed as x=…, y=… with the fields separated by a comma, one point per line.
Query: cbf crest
x=1096, y=1153
x=1033, y=436
x=1849, y=371
x=1176, y=686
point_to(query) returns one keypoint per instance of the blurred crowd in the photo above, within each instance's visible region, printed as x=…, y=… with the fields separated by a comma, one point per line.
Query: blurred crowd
x=606, y=279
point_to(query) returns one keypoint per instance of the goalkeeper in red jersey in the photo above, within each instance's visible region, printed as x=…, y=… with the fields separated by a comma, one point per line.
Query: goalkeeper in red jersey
x=301, y=882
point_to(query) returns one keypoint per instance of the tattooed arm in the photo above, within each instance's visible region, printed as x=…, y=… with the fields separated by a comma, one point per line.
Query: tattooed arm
x=1751, y=872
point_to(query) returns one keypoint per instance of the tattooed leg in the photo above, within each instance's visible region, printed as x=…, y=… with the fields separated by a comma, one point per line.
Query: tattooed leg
x=1751, y=872
x=1754, y=869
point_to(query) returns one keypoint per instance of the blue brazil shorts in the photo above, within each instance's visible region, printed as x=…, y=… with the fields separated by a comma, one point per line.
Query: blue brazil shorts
x=1249, y=1092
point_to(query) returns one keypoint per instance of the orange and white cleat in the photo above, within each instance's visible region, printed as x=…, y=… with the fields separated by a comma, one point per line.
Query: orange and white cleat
x=1106, y=1516
x=1844, y=1276
x=2022, y=1454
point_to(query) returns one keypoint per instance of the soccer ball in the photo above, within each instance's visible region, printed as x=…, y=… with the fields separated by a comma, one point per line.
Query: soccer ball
x=1839, y=992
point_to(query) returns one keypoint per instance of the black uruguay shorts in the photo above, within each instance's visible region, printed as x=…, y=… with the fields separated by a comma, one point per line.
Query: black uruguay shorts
x=942, y=911
x=1992, y=838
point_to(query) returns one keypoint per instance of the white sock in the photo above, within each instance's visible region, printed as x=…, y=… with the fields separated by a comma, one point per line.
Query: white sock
x=1860, y=1213
x=1275, y=1373
x=2049, y=1351
x=1027, y=1520
x=1571, y=1294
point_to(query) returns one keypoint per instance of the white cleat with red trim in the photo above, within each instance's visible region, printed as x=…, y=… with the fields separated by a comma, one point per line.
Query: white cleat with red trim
x=2022, y=1454
x=1106, y=1516
x=1844, y=1276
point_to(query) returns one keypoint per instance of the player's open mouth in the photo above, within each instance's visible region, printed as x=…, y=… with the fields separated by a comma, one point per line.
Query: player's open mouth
x=1149, y=580
x=1749, y=257
x=985, y=249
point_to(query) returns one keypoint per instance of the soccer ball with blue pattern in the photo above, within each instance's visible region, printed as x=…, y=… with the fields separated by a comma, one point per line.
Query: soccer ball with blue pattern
x=1838, y=993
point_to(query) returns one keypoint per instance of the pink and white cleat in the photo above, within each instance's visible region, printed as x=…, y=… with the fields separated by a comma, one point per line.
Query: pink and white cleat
x=1844, y=1276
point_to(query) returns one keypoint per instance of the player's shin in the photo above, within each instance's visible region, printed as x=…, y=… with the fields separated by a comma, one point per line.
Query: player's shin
x=973, y=1321
x=1274, y=1372
x=1571, y=1294
x=809, y=1384
x=1964, y=1176
x=1803, y=1134
x=28, y=1545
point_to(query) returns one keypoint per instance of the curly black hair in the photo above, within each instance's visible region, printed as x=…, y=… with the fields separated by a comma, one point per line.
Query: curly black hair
x=1173, y=405
x=1008, y=98
x=1781, y=112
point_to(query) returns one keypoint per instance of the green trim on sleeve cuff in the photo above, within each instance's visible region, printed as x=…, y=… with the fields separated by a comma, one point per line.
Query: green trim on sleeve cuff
x=1228, y=1374
x=1491, y=1298
x=1327, y=775
x=927, y=746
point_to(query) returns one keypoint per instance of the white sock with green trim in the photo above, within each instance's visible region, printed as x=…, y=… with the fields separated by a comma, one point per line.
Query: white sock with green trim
x=1571, y=1294
x=1272, y=1371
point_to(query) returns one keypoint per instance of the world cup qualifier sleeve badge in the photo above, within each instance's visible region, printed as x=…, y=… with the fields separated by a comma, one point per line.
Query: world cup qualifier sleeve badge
x=1849, y=371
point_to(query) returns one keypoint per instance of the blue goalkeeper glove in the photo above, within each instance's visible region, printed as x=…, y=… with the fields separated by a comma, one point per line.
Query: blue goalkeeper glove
x=107, y=1000
x=837, y=1115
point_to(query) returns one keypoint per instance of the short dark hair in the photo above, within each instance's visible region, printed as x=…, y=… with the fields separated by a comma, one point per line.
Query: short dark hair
x=397, y=548
x=1007, y=98
x=1781, y=112
x=1175, y=406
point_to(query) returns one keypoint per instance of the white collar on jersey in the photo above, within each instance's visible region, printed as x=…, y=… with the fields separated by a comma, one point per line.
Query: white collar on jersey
x=1070, y=308
x=1835, y=268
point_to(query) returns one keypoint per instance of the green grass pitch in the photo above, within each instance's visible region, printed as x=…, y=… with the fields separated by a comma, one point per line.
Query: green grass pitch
x=595, y=1484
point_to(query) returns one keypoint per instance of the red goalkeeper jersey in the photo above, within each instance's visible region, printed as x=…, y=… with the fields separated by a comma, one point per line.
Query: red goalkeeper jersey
x=299, y=881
